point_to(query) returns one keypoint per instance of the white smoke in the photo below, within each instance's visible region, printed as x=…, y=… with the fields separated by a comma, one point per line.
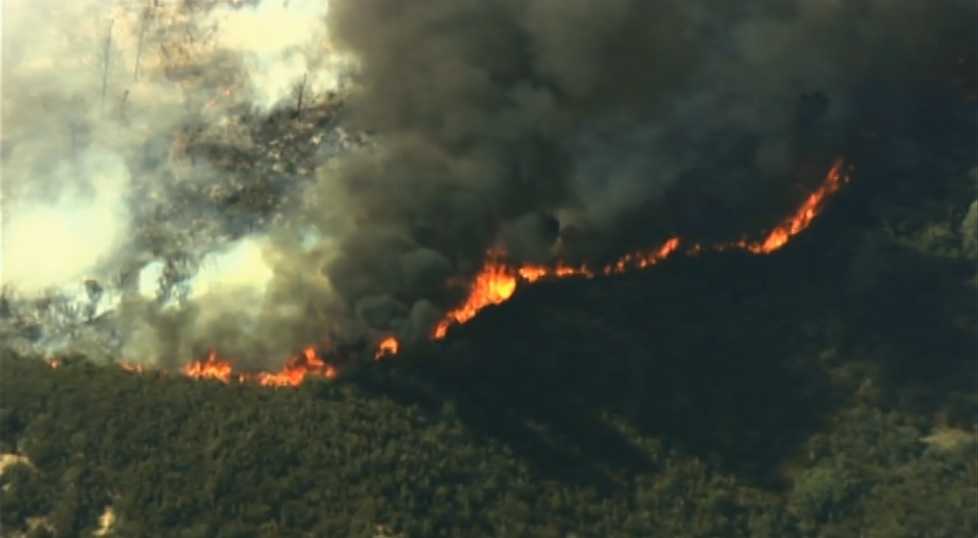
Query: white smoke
x=52, y=240
x=101, y=102
x=283, y=45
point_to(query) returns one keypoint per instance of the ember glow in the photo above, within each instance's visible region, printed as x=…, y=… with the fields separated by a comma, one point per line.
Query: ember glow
x=497, y=281
x=642, y=260
x=531, y=273
x=386, y=348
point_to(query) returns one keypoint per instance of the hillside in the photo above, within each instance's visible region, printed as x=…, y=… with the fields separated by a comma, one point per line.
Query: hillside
x=827, y=390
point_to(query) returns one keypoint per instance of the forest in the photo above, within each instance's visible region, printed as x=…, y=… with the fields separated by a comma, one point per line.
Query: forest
x=826, y=390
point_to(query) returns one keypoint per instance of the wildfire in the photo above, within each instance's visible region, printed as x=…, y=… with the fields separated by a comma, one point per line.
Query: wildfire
x=296, y=369
x=309, y=363
x=531, y=273
x=497, y=282
x=386, y=348
x=293, y=373
x=213, y=367
x=494, y=284
x=642, y=260
x=803, y=217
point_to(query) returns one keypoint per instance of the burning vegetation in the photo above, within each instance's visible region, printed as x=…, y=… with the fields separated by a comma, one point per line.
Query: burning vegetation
x=288, y=192
x=309, y=363
x=497, y=281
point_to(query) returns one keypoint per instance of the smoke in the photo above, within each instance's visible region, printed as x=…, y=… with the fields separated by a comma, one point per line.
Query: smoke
x=282, y=46
x=54, y=240
x=566, y=129
x=121, y=126
x=582, y=129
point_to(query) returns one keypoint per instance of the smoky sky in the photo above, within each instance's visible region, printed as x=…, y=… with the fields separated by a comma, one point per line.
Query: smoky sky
x=582, y=129
x=555, y=129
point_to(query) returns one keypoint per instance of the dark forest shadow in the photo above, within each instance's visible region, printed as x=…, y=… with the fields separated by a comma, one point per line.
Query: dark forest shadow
x=721, y=356
x=706, y=354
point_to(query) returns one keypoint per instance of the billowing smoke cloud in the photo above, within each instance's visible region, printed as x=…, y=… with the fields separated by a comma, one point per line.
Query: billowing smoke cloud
x=121, y=124
x=586, y=129
x=567, y=129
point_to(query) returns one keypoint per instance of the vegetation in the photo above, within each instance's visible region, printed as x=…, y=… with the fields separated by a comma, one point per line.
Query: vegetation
x=181, y=458
x=825, y=391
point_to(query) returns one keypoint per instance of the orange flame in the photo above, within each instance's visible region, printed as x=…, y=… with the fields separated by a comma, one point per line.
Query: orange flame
x=494, y=284
x=803, y=217
x=642, y=259
x=387, y=348
x=532, y=272
x=497, y=282
x=296, y=369
x=212, y=367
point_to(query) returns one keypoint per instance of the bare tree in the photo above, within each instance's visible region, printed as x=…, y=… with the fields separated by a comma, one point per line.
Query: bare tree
x=300, y=92
x=147, y=15
x=106, y=59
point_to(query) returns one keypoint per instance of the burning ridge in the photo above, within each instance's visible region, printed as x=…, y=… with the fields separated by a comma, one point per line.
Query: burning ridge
x=499, y=280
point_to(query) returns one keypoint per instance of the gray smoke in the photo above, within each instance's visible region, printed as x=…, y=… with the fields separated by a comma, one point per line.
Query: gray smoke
x=568, y=129
x=608, y=125
x=147, y=148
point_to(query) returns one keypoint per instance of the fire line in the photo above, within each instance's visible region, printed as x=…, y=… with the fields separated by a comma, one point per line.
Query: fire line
x=498, y=281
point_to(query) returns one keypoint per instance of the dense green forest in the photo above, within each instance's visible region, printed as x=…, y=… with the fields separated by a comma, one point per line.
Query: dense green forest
x=824, y=391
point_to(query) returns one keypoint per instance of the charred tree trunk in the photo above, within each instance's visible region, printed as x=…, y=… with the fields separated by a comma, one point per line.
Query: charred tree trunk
x=300, y=92
x=106, y=60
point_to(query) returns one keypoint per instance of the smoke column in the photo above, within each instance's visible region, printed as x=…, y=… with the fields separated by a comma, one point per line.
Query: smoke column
x=582, y=130
x=571, y=129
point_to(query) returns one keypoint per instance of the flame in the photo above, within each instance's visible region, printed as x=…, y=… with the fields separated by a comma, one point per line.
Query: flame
x=296, y=369
x=293, y=373
x=642, y=259
x=494, y=284
x=387, y=348
x=531, y=272
x=803, y=217
x=213, y=367
x=497, y=282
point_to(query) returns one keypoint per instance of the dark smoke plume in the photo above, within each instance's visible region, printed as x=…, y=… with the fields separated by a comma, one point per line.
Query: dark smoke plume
x=583, y=129
x=556, y=129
